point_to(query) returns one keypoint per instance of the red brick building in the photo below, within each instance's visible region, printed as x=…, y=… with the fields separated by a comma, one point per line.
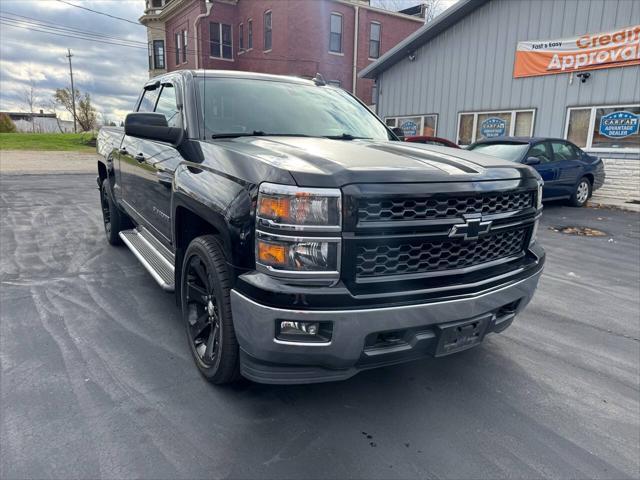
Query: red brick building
x=336, y=38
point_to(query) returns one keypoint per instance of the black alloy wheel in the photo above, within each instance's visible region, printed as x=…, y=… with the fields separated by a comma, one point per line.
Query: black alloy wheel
x=113, y=219
x=203, y=319
x=206, y=310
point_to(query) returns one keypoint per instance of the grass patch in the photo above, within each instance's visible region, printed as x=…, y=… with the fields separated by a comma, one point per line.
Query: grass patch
x=82, y=142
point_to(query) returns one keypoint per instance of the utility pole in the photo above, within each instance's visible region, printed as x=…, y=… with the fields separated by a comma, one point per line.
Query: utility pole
x=73, y=92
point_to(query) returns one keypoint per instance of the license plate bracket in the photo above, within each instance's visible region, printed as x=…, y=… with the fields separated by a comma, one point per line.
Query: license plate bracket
x=457, y=336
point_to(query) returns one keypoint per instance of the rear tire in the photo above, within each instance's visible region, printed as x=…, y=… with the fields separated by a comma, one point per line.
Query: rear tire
x=582, y=193
x=113, y=219
x=206, y=311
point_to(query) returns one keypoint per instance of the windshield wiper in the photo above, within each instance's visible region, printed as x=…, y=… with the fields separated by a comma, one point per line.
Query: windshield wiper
x=345, y=136
x=257, y=133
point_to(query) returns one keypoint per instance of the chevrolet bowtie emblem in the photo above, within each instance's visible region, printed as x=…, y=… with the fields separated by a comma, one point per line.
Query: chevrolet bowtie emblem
x=473, y=229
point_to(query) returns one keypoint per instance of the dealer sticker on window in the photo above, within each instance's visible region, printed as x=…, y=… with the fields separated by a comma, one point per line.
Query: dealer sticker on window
x=619, y=124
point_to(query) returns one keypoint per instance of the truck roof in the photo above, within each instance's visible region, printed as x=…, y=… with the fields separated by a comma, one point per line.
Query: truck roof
x=233, y=74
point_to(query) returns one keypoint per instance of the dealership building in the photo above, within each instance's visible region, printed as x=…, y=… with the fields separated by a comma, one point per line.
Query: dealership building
x=547, y=68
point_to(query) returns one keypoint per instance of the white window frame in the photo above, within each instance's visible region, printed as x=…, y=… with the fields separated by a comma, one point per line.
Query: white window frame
x=232, y=59
x=592, y=124
x=240, y=38
x=371, y=40
x=422, y=117
x=264, y=30
x=512, y=123
x=341, y=51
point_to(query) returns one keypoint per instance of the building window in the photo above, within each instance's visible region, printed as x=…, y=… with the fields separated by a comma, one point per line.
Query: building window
x=415, y=125
x=241, y=37
x=178, y=42
x=374, y=93
x=184, y=45
x=157, y=3
x=267, y=31
x=158, y=54
x=335, y=34
x=474, y=126
x=220, y=40
x=604, y=127
x=374, y=40
x=249, y=34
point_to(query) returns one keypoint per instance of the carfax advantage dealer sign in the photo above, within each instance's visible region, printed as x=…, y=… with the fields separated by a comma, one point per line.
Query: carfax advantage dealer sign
x=617, y=48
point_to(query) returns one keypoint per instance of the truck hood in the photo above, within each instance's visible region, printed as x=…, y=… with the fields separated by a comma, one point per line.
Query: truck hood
x=333, y=163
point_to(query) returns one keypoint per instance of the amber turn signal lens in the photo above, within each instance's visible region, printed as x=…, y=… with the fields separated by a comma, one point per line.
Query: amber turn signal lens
x=274, y=207
x=271, y=254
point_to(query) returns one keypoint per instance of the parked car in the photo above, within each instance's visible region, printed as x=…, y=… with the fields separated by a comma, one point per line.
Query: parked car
x=441, y=142
x=303, y=241
x=567, y=171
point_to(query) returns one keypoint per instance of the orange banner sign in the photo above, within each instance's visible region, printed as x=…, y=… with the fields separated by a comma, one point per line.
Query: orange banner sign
x=618, y=48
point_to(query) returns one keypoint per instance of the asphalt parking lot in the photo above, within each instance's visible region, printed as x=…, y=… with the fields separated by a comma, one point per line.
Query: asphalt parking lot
x=97, y=381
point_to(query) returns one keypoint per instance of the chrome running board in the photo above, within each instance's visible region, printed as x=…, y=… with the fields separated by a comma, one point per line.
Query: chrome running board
x=154, y=256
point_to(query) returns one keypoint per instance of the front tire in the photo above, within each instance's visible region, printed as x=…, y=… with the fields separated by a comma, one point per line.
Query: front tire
x=113, y=219
x=206, y=311
x=582, y=193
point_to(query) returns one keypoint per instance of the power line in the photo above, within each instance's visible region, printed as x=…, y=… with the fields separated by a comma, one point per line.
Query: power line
x=4, y=22
x=45, y=24
x=109, y=15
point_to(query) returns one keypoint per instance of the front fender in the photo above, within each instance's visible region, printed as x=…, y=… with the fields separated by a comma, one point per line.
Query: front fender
x=222, y=201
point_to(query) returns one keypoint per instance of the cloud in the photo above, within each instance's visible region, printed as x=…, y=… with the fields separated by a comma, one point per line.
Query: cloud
x=111, y=74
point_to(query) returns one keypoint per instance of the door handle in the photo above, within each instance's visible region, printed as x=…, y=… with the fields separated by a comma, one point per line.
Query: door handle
x=139, y=157
x=123, y=151
x=165, y=178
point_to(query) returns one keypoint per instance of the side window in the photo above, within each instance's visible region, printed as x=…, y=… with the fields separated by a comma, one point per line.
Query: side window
x=148, y=102
x=563, y=151
x=539, y=151
x=168, y=106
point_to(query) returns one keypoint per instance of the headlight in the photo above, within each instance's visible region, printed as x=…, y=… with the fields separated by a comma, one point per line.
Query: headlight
x=293, y=208
x=282, y=213
x=297, y=254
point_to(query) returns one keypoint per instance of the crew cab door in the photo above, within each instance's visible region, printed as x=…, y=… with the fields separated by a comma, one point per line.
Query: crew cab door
x=546, y=168
x=568, y=161
x=155, y=164
x=129, y=159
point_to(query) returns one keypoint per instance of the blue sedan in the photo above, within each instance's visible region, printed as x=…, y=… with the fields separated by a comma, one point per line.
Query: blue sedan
x=567, y=171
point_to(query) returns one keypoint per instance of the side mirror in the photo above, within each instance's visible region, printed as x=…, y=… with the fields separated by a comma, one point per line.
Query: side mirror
x=398, y=132
x=532, y=161
x=152, y=126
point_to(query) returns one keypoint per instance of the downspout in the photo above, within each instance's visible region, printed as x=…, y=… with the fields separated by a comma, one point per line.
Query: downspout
x=355, y=47
x=195, y=30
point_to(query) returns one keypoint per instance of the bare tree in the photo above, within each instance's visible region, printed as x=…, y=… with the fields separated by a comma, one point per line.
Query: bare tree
x=29, y=97
x=86, y=115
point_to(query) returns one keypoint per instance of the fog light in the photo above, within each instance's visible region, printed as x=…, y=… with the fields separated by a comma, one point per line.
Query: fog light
x=293, y=331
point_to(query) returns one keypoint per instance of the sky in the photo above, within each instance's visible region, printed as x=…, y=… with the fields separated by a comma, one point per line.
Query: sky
x=112, y=74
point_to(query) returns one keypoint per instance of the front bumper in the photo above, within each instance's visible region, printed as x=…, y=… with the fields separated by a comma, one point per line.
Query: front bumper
x=265, y=359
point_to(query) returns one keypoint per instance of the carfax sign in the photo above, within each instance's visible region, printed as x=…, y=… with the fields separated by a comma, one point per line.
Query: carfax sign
x=493, y=127
x=619, y=124
x=409, y=128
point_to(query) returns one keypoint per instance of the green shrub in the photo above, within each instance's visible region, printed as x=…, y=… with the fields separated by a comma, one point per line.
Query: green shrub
x=6, y=124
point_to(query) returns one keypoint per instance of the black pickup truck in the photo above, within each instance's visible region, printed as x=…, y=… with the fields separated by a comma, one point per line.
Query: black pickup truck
x=303, y=241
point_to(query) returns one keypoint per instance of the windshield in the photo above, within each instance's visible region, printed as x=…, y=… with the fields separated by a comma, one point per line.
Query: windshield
x=506, y=151
x=238, y=106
